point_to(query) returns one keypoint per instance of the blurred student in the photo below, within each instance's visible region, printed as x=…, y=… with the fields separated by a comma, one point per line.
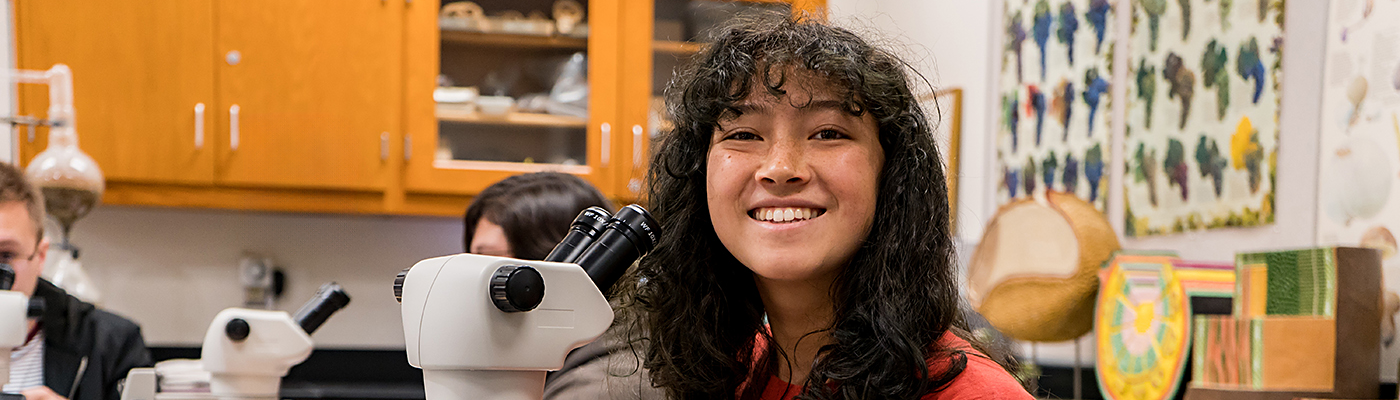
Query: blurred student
x=524, y=216
x=75, y=350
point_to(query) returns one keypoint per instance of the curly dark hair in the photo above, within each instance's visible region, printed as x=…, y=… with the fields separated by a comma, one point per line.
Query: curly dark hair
x=700, y=308
x=534, y=210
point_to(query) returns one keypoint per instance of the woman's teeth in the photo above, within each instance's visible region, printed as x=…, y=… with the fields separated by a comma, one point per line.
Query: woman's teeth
x=785, y=214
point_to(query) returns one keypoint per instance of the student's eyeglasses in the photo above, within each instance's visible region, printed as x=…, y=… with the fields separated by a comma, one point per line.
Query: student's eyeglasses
x=9, y=257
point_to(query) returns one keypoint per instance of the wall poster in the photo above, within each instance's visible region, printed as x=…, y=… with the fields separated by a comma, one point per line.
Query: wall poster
x=1054, y=98
x=1202, y=123
x=1360, y=135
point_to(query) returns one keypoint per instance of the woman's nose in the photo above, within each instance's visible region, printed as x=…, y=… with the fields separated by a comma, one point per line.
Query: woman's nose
x=785, y=164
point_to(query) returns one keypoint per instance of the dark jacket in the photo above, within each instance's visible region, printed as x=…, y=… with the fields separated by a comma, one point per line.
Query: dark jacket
x=94, y=347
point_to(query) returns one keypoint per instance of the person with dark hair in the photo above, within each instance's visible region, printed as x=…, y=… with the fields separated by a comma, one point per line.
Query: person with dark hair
x=524, y=216
x=74, y=350
x=807, y=249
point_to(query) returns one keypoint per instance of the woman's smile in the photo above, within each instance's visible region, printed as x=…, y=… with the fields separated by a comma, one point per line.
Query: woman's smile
x=792, y=181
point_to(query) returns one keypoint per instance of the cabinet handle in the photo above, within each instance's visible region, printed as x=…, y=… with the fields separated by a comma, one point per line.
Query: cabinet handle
x=198, y=126
x=636, y=146
x=233, y=127
x=384, y=146
x=31, y=131
x=407, y=147
x=607, y=142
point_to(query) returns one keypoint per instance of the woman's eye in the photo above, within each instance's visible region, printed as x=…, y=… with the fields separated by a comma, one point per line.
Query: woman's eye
x=829, y=134
x=743, y=135
x=6, y=256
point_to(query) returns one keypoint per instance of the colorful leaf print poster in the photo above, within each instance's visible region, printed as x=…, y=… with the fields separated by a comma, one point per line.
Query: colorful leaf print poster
x=1359, y=145
x=1202, y=123
x=1054, y=98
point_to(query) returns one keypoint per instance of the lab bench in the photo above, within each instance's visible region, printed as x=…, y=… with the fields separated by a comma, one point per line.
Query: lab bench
x=346, y=374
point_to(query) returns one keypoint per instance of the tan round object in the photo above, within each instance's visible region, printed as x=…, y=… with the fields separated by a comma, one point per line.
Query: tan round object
x=1035, y=274
x=464, y=10
x=1378, y=237
x=567, y=14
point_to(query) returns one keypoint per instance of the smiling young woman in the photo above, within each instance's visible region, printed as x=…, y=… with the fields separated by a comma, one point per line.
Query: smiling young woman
x=808, y=251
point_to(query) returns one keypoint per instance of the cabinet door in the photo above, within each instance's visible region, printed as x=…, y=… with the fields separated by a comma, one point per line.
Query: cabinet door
x=140, y=69
x=309, y=92
x=453, y=150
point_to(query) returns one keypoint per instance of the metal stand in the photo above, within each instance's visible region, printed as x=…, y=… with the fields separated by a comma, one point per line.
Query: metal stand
x=1078, y=371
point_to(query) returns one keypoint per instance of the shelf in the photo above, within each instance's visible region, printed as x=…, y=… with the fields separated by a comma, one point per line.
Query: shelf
x=675, y=47
x=511, y=166
x=513, y=119
x=514, y=41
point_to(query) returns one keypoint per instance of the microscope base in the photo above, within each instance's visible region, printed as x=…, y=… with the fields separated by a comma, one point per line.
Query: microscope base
x=483, y=384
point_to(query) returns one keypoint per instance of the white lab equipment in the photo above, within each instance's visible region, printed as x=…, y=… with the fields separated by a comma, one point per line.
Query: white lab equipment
x=483, y=327
x=70, y=180
x=15, y=307
x=246, y=352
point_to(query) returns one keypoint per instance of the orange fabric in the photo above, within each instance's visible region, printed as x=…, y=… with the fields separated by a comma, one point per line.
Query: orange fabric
x=982, y=379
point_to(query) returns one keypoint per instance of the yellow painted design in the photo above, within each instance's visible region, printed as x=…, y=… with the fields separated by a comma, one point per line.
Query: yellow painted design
x=1258, y=290
x=1240, y=143
x=1143, y=321
x=1205, y=275
x=1126, y=376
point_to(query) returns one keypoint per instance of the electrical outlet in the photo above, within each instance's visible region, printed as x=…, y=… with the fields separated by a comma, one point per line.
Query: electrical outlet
x=261, y=280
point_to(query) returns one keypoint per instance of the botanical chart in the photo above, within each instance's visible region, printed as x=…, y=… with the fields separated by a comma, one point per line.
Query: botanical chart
x=1359, y=158
x=1054, y=96
x=1202, y=123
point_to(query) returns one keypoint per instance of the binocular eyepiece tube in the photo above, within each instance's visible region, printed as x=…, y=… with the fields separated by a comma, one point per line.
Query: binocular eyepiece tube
x=328, y=299
x=582, y=232
x=7, y=277
x=609, y=248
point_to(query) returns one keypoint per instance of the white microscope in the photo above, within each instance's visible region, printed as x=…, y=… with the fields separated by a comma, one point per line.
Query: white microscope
x=246, y=352
x=483, y=327
x=14, y=309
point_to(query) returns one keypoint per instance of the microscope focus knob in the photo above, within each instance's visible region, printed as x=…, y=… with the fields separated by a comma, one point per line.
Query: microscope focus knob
x=398, y=284
x=237, y=329
x=516, y=288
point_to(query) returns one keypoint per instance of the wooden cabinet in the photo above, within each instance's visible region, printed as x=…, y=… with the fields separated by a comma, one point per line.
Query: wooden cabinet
x=309, y=92
x=141, y=68
x=283, y=93
x=438, y=137
x=327, y=106
x=625, y=84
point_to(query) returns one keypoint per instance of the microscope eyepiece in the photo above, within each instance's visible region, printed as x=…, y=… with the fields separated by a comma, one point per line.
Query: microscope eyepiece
x=582, y=233
x=328, y=299
x=7, y=277
x=36, y=307
x=628, y=236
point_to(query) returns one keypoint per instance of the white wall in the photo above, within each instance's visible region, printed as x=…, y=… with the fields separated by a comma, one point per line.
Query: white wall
x=956, y=44
x=172, y=270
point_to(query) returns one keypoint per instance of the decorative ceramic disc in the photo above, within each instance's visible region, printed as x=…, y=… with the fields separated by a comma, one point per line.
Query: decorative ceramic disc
x=1143, y=325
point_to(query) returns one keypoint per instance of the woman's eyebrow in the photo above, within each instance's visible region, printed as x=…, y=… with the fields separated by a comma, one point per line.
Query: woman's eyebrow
x=826, y=105
x=749, y=107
